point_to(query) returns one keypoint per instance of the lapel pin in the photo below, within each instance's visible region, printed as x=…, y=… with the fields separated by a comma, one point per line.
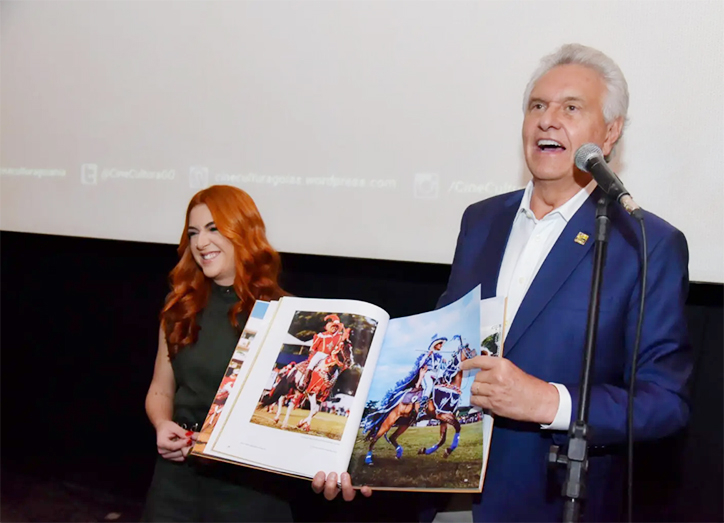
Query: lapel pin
x=581, y=238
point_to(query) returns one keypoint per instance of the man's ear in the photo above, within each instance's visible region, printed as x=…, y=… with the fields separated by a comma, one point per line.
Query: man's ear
x=613, y=133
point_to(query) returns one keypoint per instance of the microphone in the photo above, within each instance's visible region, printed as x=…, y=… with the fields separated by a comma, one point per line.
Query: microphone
x=589, y=158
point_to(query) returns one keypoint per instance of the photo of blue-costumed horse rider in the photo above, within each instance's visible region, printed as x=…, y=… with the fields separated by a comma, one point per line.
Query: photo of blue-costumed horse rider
x=427, y=367
x=432, y=377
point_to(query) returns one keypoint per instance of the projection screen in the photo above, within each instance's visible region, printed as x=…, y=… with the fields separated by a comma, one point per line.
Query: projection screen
x=360, y=128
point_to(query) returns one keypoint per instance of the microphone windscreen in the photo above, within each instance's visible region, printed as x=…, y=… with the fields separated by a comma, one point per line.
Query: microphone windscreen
x=585, y=153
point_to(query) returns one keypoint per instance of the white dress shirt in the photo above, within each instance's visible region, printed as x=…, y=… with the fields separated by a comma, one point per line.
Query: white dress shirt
x=528, y=246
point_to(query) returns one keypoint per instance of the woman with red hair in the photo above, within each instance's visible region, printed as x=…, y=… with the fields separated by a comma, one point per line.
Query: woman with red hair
x=226, y=263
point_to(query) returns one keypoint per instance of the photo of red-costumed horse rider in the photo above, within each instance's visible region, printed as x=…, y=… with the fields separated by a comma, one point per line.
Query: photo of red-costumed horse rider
x=318, y=371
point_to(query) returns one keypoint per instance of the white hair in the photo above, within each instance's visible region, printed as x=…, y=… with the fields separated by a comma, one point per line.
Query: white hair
x=616, y=103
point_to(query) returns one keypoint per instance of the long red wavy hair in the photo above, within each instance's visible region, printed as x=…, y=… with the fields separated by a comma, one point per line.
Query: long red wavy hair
x=257, y=266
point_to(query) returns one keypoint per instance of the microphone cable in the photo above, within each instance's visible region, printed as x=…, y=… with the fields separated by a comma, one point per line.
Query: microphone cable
x=632, y=381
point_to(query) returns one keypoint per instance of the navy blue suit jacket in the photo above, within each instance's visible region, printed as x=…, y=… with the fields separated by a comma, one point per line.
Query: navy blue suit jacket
x=547, y=339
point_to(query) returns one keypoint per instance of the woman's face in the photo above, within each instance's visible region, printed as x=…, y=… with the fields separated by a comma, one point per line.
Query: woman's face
x=212, y=251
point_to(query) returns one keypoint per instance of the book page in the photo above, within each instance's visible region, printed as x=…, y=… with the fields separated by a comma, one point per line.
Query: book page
x=241, y=363
x=420, y=431
x=300, y=406
x=492, y=325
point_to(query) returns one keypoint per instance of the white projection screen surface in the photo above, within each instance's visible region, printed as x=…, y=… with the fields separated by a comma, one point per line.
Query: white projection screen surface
x=360, y=128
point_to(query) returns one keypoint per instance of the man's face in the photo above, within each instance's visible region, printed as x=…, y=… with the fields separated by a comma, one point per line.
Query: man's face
x=565, y=111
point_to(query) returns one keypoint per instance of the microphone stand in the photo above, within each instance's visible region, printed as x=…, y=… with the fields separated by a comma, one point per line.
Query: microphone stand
x=576, y=457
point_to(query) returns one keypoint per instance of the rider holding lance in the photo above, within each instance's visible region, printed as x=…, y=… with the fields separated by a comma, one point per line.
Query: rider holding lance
x=325, y=342
x=429, y=368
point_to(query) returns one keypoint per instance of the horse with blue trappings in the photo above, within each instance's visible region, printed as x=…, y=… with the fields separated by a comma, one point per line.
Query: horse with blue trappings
x=401, y=408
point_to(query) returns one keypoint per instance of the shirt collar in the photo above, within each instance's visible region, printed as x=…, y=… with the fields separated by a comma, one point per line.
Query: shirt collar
x=566, y=211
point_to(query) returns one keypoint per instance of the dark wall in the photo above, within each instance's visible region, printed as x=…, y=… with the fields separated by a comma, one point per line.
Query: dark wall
x=79, y=332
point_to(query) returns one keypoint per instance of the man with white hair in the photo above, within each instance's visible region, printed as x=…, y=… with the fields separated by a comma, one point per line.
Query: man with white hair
x=535, y=246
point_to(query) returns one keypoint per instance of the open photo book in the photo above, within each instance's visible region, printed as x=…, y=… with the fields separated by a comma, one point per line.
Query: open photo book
x=336, y=385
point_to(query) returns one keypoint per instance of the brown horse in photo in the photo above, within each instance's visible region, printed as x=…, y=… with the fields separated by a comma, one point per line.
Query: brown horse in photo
x=442, y=406
x=292, y=389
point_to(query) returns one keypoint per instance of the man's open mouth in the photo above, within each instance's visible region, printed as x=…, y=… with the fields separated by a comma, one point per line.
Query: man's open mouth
x=550, y=145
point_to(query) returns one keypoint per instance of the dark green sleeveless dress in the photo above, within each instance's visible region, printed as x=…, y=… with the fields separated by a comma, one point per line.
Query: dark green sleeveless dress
x=200, y=490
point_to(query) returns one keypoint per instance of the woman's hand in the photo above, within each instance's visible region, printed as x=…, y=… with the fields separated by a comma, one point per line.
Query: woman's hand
x=327, y=484
x=174, y=442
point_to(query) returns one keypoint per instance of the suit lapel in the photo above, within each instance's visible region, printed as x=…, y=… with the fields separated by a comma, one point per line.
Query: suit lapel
x=563, y=258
